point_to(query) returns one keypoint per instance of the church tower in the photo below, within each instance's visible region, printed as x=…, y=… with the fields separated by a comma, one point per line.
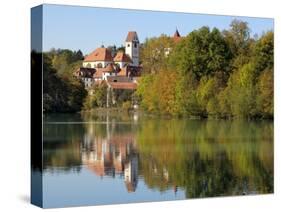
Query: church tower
x=132, y=47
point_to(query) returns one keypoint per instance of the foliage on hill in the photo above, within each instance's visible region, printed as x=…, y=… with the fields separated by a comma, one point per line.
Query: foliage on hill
x=98, y=98
x=61, y=91
x=210, y=73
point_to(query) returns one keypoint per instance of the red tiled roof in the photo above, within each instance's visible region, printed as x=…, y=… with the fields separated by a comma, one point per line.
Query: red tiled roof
x=123, y=85
x=122, y=57
x=132, y=35
x=100, y=54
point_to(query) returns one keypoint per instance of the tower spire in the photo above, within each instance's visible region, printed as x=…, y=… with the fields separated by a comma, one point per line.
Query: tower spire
x=177, y=36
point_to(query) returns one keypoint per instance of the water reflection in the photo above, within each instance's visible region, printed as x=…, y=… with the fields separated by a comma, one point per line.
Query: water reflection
x=111, y=156
x=201, y=158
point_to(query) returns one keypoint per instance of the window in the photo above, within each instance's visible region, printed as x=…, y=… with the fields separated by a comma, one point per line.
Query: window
x=135, y=45
x=128, y=45
x=99, y=65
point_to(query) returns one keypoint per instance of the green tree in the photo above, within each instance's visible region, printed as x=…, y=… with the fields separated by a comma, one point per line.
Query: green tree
x=207, y=95
x=243, y=92
x=146, y=91
x=203, y=52
x=165, y=84
x=65, y=61
x=60, y=94
x=224, y=103
x=185, y=95
x=121, y=96
x=97, y=97
x=153, y=53
x=266, y=93
x=264, y=52
x=240, y=43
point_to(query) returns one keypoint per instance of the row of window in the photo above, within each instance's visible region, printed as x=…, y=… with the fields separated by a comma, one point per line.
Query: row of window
x=99, y=65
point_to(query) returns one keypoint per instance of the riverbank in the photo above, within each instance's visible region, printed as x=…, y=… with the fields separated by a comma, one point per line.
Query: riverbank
x=139, y=111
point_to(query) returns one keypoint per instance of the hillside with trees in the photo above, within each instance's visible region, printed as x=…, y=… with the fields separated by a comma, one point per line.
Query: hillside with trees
x=61, y=91
x=216, y=73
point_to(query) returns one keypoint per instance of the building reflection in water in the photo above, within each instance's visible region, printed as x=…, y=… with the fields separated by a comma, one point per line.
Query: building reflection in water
x=112, y=155
x=131, y=173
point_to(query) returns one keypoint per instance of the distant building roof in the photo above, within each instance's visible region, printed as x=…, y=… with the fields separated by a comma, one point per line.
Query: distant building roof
x=131, y=71
x=122, y=72
x=109, y=68
x=122, y=57
x=98, y=73
x=84, y=72
x=177, y=36
x=123, y=85
x=119, y=78
x=132, y=36
x=100, y=54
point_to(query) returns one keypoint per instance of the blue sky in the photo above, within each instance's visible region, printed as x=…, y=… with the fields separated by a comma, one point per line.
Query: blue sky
x=86, y=28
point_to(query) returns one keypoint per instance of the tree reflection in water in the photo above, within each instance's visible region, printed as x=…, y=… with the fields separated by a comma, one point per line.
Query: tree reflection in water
x=205, y=158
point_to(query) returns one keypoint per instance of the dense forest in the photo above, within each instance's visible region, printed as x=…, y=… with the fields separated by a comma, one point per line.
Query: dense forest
x=209, y=73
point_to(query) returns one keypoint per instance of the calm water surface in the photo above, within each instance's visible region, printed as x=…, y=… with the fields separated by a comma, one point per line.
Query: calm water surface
x=95, y=159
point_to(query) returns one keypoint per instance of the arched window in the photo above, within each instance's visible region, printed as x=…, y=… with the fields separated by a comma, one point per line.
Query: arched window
x=99, y=65
x=88, y=65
